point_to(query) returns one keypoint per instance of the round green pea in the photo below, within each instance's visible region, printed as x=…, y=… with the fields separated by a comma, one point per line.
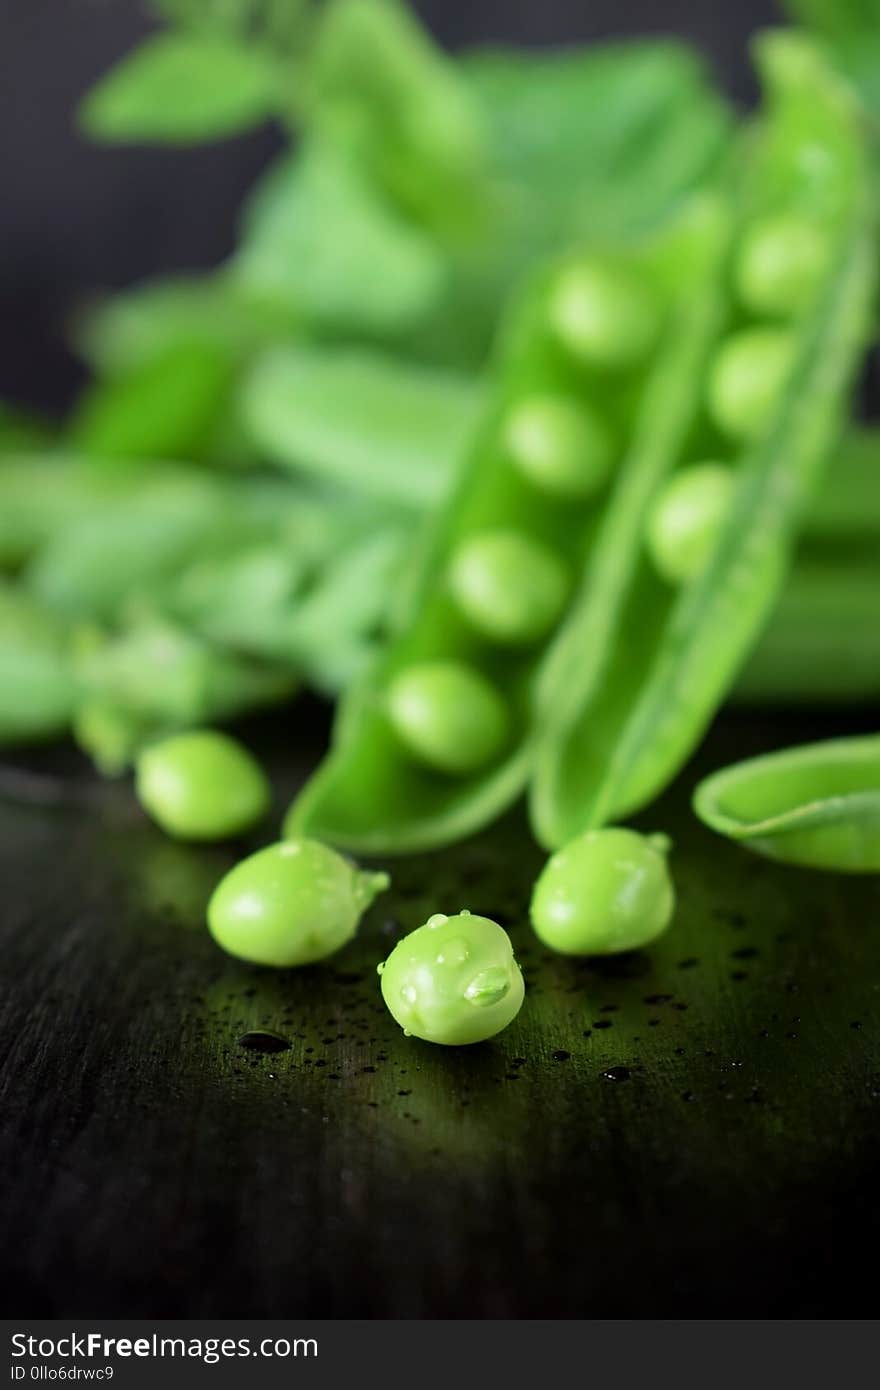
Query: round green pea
x=291, y=904
x=780, y=265
x=453, y=981
x=686, y=520
x=201, y=785
x=563, y=448
x=604, y=315
x=606, y=891
x=746, y=379
x=448, y=716
x=510, y=588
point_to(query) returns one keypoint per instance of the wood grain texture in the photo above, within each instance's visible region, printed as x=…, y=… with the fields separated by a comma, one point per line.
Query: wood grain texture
x=690, y=1131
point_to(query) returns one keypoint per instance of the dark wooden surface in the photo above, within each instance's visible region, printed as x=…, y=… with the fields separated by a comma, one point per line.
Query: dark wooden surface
x=686, y=1132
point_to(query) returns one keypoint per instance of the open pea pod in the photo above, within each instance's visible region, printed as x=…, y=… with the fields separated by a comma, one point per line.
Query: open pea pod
x=650, y=650
x=817, y=805
x=437, y=740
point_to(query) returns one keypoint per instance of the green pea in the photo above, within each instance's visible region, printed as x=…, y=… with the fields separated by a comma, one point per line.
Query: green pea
x=686, y=519
x=604, y=892
x=781, y=265
x=746, y=379
x=562, y=448
x=201, y=785
x=509, y=587
x=448, y=716
x=453, y=981
x=291, y=904
x=604, y=316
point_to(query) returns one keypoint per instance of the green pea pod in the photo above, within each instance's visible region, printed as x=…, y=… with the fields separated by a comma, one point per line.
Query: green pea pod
x=822, y=643
x=817, y=805
x=641, y=666
x=436, y=740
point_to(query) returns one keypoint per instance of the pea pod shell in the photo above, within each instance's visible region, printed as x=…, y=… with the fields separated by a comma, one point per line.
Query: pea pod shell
x=817, y=805
x=631, y=714
x=370, y=795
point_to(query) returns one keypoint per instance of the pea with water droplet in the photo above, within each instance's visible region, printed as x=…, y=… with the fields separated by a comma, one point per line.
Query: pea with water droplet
x=454, y=980
x=293, y=903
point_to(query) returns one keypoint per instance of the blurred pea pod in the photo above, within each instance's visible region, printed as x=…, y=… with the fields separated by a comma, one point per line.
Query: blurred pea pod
x=124, y=539
x=37, y=687
x=822, y=644
x=155, y=677
x=361, y=419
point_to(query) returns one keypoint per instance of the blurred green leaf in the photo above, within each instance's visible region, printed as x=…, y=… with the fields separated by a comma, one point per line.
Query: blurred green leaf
x=178, y=88
x=213, y=312
x=596, y=142
x=165, y=408
x=587, y=145
x=37, y=687
x=379, y=82
x=20, y=431
x=319, y=238
x=356, y=417
x=852, y=30
x=837, y=19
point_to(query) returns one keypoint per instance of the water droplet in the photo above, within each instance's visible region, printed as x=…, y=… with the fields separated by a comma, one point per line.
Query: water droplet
x=454, y=952
x=263, y=1040
x=465, y=912
x=380, y=968
x=560, y=1055
x=617, y=1074
x=488, y=987
x=409, y=994
x=407, y=1033
x=437, y=920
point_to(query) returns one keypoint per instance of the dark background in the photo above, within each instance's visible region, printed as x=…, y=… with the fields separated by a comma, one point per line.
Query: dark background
x=78, y=217
x=687, y=1132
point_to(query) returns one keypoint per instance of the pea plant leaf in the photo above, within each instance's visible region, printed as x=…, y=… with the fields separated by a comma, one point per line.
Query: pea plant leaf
x=599, y=141
x=181, y=88
x=212, y=312
x=378, y=79
x=852, y=30
x=587, y=145
x=356, y=417
x=320, y=238
x=165, y=408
